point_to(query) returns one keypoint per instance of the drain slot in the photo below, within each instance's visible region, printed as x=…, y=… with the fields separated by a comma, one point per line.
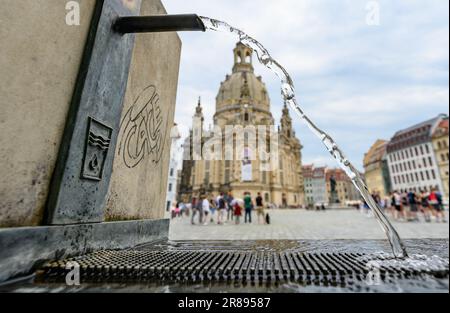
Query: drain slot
x=228, y=266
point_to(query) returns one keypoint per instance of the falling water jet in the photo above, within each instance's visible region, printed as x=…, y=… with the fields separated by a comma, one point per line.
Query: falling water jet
x=288, y=94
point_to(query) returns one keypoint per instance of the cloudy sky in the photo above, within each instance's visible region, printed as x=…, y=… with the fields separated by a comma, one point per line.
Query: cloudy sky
x=357, y=81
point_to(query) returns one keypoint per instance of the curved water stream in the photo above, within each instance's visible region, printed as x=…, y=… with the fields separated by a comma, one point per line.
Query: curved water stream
x=288, y=94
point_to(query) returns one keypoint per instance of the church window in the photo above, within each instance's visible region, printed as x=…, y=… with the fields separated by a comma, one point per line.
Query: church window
x=246, y=117
x=248, y=58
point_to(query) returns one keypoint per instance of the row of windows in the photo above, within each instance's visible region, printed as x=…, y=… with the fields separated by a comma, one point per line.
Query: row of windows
x=410, y=165
x=411, y=178
x=442, y=144
x=407, y=153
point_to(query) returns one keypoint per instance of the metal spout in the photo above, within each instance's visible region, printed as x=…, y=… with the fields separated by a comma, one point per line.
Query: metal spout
x=158, y=23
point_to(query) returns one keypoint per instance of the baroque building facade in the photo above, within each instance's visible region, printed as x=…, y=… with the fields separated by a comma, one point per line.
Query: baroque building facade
x=243, y=101
x=441, y=145
x=376, y=170
x=412, y=160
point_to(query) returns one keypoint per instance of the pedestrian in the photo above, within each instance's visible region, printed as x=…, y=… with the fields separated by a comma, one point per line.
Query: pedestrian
x=237, y=208
x=221, y=207
x=177, y=210
x=413, y=208
x=173, y=210
x=248, y=206
x=196, y=209
x=435, y=200
x=206, y=208
x=230, y=207
x=212, y=208
x=425, y=206
x=398, y=206
x=392, y=208
x=260, y=209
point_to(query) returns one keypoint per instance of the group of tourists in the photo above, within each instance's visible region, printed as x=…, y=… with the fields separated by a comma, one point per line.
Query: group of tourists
x=407, y=205
x=223, y=209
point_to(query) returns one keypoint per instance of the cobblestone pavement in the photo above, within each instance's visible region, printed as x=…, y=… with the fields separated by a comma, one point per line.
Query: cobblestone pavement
x=301, y=224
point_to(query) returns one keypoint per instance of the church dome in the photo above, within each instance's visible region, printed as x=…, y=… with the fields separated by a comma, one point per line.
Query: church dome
x=242, y=87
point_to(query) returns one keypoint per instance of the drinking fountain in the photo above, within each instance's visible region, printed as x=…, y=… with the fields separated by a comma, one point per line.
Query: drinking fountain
x=83, y=171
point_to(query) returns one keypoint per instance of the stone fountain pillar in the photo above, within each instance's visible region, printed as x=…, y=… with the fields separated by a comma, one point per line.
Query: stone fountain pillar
x=80, y=171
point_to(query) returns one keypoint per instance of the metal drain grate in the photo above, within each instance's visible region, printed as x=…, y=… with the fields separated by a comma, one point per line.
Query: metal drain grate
x=227, y=266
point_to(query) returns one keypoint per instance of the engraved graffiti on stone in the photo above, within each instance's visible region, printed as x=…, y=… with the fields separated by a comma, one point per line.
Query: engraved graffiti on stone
x=97, y=146
x=141, y=133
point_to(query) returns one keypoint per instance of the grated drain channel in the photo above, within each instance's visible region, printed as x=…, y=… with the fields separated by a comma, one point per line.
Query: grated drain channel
x=227, y=266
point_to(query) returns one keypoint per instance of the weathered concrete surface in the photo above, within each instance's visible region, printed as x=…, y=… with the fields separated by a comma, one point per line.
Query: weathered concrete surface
x=90, y=135
x=40, y=57
x=39, y=61
x=139, y=179
x=23, y=248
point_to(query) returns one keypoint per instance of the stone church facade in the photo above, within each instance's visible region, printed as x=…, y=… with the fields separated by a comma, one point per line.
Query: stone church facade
x=243, y=100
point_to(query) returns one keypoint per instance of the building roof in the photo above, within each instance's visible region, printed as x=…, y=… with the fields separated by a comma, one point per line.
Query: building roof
x=414, y=135
x=319, y=172
x=338, y=175
x=243, y=86
x=307, y=171
x=441, y=129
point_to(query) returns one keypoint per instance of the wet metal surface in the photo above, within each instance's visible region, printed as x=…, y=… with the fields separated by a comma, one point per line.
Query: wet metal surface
x=247, y=266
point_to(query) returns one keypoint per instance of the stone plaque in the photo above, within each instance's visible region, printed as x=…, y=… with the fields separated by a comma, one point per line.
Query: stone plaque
x=98, y=142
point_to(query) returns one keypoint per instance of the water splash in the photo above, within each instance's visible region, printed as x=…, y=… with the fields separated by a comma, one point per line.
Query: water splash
x=288, y=94
x=418, y=262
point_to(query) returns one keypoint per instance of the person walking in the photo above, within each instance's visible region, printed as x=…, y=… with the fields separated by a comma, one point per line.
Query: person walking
x=196, y=209
x=398, y=206
x=392, y=207
x=206, y=208
x=230, y=207
x=425, y=206
x=412, y=201
x=221, y=207
x=248, y=206
x=260, y=209
x=237, y=208
x=435, y=200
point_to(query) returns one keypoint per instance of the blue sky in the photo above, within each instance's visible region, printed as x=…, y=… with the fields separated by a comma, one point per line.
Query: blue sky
x=356, y=81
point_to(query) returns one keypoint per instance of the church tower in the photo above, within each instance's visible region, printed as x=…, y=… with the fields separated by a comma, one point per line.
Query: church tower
x=243, y=101
x=286, y=123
